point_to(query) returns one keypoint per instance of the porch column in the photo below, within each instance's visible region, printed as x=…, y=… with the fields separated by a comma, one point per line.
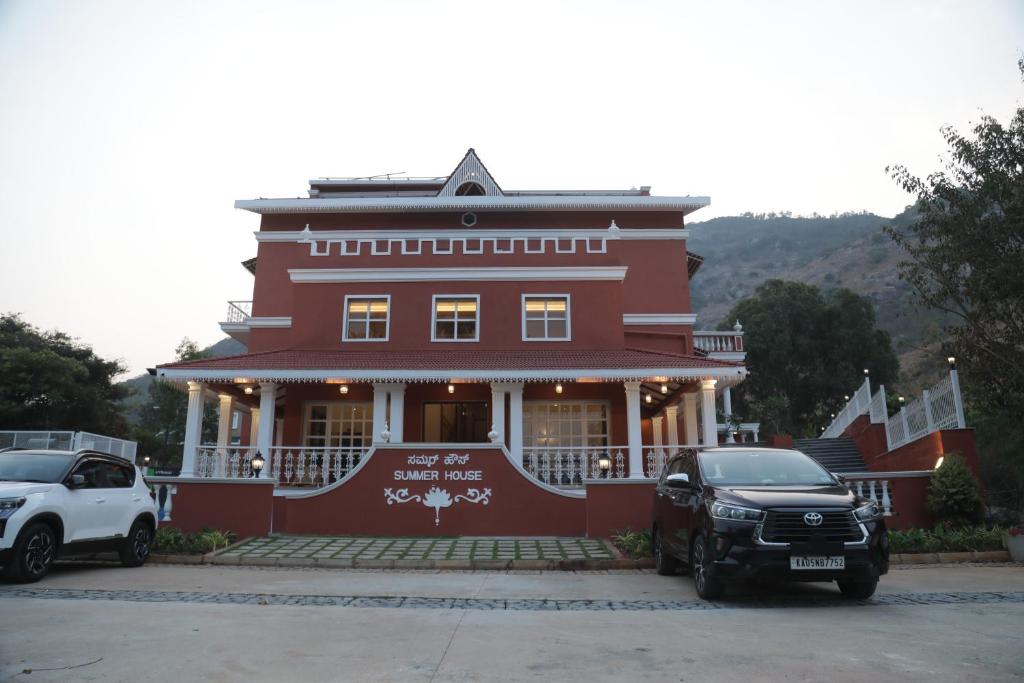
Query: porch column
x=515, y=421
x=657, y=425
x=226, y=407
x=690, y=418
x=498, y=410
x=707, y=409
x=672, y=417
x=380, y=409
x=397, y=415
x=727, y=402
x=254, y=425
x=633, y=433
x=265, y=431
x=193, y=428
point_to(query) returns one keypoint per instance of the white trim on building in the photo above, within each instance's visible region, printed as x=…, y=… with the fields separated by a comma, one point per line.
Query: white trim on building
x=456, y=320
x=387, y=319
x=473, y=203
x=659, y=318
x=547, y=317
x=499, y=274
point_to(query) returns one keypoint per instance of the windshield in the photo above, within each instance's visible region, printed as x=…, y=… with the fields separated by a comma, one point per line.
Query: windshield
x=762, y=468
x=15, y=466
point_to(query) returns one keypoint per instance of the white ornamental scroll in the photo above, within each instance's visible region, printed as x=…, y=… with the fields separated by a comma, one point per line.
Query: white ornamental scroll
x=437, y=498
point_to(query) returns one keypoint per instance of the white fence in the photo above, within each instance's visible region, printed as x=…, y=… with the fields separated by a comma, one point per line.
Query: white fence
x=69, y=441
x=940, y=407
x=289, y=465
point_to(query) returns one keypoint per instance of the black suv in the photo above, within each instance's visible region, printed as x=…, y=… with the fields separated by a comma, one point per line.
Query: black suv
x=731, y=514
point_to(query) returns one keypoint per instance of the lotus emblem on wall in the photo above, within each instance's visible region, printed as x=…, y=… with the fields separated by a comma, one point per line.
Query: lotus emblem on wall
x=437, y=498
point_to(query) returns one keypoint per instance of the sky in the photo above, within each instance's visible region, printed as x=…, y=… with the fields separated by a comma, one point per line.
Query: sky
x=128, y=129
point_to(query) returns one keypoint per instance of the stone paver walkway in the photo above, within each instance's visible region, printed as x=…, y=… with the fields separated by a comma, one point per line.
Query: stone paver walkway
x=369, y=548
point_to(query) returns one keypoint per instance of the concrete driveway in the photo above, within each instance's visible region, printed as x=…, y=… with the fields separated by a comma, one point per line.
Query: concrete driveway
x=235, y=623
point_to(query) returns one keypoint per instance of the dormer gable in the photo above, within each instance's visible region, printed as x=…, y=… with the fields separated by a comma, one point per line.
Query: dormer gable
x=470, y=178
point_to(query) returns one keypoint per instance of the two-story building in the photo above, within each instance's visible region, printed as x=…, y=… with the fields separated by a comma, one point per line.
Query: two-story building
x=449, y=310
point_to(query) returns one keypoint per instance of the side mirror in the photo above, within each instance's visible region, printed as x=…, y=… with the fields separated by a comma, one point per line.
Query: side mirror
x=76, y=481
x=680, y=480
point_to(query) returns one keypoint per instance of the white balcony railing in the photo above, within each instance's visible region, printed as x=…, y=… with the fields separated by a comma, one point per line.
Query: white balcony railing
x=238, y=311
x=718, y=342
x=289, y=465
x=569, y=466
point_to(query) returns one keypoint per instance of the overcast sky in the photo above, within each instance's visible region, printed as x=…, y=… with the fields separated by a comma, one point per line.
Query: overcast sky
x=127, y=129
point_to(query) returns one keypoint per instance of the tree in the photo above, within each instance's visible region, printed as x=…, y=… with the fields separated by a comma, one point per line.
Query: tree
x=965, y=254
x=49, y=380
x=805, y=351
x=161, y=428
x=953, y=495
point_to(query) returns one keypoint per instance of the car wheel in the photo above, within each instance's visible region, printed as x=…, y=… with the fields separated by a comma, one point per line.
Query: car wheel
x=664, y=563
x=858, y=590
x=34, y=553
x=135, y=550
x=708, y=587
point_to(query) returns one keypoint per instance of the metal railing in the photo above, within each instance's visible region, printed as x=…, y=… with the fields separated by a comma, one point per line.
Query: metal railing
x=859, y=404
x=239, y=311
x=290, y=465
x=940, y=407
x=569, y=466
x=69, y=441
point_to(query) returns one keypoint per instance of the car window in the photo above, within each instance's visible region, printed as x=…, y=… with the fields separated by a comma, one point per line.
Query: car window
x=100, y=474
x=91, y=470
x=119, y=476
x=687, y=467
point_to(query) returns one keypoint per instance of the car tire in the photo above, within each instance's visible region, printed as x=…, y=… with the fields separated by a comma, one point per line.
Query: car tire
x=34, y=552
x=857, y=589
x=708, y=587
x=664, y=563
x=136, y=548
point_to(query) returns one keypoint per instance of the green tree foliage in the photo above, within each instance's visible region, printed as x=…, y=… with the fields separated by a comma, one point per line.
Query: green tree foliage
x=965, y=254
x=161, y=428
x=49, y=380
x=954, y=496
x=805, y=350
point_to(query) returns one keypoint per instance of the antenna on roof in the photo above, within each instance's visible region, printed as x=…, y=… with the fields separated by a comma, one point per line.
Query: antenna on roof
x=385, y=175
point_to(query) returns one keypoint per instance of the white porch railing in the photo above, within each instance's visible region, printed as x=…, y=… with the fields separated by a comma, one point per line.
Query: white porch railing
x=872, y=488
x=571, y=465
x=289, y=465
x=239, y=311
x=718, y=342
x=859, y=404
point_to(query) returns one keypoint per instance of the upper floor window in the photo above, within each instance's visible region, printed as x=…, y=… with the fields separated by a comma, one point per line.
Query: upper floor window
x=367, y=318
x=546, y=317
x=456, y=318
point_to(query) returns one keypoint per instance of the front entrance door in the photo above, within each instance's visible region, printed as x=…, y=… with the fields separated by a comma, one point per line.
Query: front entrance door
x=455, y=422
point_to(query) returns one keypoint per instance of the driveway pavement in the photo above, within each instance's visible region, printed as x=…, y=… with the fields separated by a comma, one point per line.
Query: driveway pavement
x=225, y=623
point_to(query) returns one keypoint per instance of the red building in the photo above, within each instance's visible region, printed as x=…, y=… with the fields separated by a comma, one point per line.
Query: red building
x=448, y=310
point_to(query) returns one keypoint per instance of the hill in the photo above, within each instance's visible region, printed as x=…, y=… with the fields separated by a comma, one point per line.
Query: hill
x=846, y=250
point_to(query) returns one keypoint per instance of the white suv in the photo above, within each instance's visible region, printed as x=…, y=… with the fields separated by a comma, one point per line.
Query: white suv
x=57, y=504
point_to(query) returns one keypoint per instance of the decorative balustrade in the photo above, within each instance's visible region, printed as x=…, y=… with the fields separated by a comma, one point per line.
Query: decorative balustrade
x=289, y=465
x=569, y=466
x=873, y=489
x=239, y=311
x=718, y=342
x=940, y=407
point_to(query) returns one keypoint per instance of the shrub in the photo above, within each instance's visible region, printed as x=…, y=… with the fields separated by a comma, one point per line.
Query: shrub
x=954, y=496
x=945, y=539
x=633, y=543
x=172, y=541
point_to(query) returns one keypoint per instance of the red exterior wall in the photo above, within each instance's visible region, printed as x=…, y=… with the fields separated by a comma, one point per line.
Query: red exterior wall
x=909, y=495
x=923, y=453
x=517, y=505
x=616, y=506
x=869, y=438
x=244, y=508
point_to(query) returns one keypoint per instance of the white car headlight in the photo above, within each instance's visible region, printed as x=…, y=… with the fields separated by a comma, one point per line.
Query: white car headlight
x=735, y=513
x=8, y=506
x=868, y=513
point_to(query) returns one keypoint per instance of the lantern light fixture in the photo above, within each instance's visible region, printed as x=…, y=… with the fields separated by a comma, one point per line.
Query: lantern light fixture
x=647, y=398
x=952, y=362
x=256, y=464
x=558, y=388
x=846, y=397
x=248, y=391
x=901, y=399
x=604, y=463
x=451, y=388
x=866, y=372
x=343, y=388
x=664, y=388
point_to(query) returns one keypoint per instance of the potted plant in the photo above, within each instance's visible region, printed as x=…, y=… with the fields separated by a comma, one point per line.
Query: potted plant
x=1015, y=543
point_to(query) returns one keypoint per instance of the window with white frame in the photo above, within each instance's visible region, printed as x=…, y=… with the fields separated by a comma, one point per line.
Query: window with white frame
x=456, y=318
x=565, y=424
x=366, y=318
x=546, y=317
x=339, y=424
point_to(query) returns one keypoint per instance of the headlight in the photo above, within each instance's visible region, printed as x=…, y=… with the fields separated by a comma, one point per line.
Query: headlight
x=8, y=506
x=868, y=513
x=735, y=513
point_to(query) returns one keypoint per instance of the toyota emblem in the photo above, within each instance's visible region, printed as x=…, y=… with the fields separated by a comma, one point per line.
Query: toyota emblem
x=813, y=519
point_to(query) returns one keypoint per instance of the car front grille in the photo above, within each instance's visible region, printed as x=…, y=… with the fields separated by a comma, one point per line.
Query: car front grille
x=788, y=526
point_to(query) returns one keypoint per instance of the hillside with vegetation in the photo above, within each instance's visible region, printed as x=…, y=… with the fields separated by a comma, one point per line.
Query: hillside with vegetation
x=831, y=252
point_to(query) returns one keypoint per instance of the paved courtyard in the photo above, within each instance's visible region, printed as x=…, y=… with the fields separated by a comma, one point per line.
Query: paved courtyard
x=233, y=623
x=463, y=548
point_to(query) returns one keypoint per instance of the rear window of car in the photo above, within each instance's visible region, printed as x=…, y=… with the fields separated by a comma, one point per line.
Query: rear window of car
x=27, y=466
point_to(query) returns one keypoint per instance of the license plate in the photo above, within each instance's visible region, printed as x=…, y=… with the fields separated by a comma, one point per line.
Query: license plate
x=817, y=562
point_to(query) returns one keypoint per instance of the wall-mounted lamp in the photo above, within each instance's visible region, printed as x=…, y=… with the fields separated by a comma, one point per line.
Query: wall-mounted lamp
x=938, y=463
x=604, y=463
x=647, y=398
x=451, y=388
x=343, y=389
x=256, y=464
x=558, y=388
x=664, y=388
x=248, y=391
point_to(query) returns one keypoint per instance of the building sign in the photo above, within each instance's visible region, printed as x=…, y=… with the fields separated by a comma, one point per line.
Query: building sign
x=449, y=471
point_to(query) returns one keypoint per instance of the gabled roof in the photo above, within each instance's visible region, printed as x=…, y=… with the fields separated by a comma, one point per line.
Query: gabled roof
x=470, y=170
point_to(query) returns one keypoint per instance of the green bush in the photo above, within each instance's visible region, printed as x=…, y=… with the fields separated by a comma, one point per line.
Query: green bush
x=171, y=541
x=954, y=496
x=633, y=543
x=945, y=539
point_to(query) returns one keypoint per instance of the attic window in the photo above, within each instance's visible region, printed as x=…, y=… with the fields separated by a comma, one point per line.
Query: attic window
x=470, y=189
